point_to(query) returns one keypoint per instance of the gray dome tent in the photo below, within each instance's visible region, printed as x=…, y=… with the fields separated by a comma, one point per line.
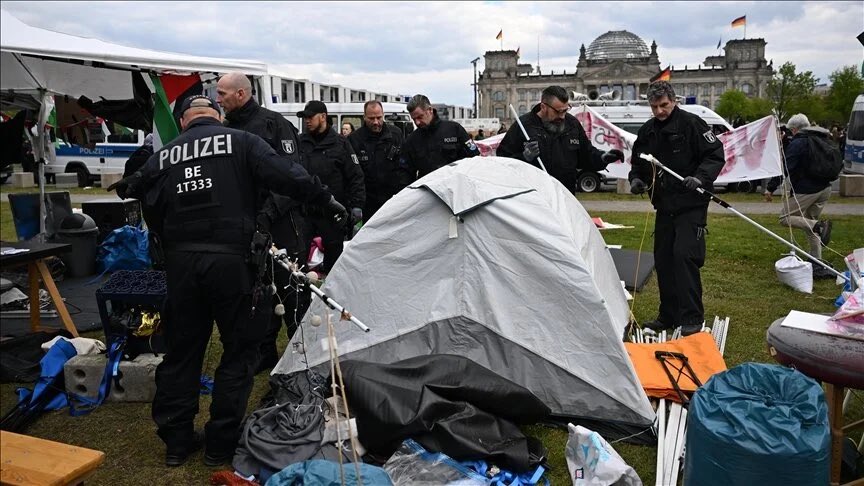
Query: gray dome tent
x=491, y=259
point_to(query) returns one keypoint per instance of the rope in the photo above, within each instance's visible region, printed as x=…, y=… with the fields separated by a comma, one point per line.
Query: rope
x=641, y=245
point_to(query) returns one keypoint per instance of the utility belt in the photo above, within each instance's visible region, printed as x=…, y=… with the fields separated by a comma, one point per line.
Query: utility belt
x=315, y=211
x=196, y=247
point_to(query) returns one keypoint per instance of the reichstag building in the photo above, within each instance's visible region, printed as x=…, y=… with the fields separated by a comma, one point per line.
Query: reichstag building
x=619, y=65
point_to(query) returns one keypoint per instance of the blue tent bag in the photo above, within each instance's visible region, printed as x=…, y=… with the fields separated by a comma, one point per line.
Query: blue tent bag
x=126, y=248
x=758, y=424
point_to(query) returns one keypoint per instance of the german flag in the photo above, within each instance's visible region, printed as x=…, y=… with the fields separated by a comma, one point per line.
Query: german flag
x=664, y=75
x=500, y=34
x=740, y=21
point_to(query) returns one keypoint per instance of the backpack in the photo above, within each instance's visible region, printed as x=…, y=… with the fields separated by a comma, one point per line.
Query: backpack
x=826, y=162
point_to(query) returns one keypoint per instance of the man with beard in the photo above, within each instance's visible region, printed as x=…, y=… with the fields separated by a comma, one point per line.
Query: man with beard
x=435, y=143
x=557, y=138
x=378, y=145
x=280, y=216
x=330, y=157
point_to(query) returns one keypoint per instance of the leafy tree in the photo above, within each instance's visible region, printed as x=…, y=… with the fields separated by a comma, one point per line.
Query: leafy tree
x=733, y=103
x=787, y=89
x=846, y=85
x=758, y=108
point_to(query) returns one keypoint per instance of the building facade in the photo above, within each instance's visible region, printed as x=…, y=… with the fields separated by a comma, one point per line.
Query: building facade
x=619, y=65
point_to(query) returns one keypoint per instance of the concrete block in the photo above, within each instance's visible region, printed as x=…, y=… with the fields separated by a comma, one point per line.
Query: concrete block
x=108, y=178
x=623, y=186
x=65, y=180
x=137, y=382
x=852, y=185
x=22, y=179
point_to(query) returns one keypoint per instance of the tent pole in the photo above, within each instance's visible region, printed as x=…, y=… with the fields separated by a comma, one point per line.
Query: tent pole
x=281, y=258
x=525, y=133
x=653, y=160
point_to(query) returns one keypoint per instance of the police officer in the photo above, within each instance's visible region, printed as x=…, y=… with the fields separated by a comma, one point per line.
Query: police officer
x=280, y=216
x=685, y=143
x=330, y=157
x=435, y=143
x=557, y=138
x=378, y=145
x=203, y=186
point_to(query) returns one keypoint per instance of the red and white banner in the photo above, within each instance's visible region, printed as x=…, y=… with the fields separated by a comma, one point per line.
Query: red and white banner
x=752, y=151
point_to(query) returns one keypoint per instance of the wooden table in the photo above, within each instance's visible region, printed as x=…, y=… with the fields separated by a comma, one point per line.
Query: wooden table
x=34, y=258
x=32, y=461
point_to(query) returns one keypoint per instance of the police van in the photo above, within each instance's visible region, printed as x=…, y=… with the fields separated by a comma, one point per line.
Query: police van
x=853, y=158
x=631, y=115
x=339, y=113
x=89, y=163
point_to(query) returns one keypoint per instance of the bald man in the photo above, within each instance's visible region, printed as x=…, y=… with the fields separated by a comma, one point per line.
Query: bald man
x=280, y=216
x=202, y=187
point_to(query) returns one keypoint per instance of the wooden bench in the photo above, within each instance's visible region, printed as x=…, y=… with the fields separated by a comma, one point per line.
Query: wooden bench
x=31, y=461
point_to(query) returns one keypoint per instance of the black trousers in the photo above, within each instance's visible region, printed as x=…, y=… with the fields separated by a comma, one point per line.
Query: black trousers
x=203, y=287
x=679, y=253
x=289, y=234
x=332, y=236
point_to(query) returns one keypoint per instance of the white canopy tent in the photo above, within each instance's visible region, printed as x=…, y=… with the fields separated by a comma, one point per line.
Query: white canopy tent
x=39, y=63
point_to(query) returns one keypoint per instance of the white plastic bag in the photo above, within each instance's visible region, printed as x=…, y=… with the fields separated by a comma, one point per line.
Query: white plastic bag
x=591, y=460
x=795, y=273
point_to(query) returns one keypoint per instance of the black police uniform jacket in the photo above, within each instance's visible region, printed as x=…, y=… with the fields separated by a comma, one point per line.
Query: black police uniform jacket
x=434, y=146
x=332, y=159
x=685, y=144
x=283, y=137
x=379, y=158
x=564, y=154
x=203, y=185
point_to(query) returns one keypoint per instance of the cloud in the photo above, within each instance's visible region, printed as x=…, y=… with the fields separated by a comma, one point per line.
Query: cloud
x=427, y=47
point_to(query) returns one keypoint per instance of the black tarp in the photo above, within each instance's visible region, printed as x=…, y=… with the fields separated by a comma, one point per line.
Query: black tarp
x=448, y=404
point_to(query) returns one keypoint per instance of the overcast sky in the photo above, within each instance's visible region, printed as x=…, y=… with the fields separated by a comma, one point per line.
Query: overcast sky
x=426, y=47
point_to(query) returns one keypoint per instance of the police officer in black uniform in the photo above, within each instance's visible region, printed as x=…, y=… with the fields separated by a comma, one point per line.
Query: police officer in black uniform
x=202, y=187
x=557, y=138
x=280, y=216
x=330, y=157
x=378, y=145
x=435, y=143
x=685, y=143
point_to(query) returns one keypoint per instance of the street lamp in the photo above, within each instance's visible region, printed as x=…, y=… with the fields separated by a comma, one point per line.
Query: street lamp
x=474, y=62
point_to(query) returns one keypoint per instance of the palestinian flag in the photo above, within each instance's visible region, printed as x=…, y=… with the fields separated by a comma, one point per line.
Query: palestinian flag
x=740, y=21
x=664, y=75
x=169, y=91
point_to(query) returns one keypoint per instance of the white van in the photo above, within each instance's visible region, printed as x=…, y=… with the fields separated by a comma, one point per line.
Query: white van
x=631, y=115
x=853, y=158
x=339, y=113
x=90, y=163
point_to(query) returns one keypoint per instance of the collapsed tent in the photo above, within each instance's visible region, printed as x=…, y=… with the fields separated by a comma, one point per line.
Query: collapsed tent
x=490, y=259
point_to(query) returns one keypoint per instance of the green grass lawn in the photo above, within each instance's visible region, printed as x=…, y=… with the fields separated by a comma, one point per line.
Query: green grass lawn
x=738, y=281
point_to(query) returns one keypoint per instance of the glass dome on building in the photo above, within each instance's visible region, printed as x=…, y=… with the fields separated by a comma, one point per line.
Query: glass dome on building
x=617, y=44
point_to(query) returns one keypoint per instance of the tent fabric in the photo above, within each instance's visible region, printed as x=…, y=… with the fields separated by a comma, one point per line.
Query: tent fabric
x=521, y=283
x=702, y=355
x=446, y=403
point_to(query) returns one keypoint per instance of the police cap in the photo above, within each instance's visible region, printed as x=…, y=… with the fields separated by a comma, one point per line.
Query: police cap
x=199, y=101
x=312, y=108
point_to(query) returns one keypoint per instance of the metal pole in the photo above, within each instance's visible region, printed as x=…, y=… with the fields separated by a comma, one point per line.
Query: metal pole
x=525, y=133
x=474, y=62
x=653, y=160
x=281, y=257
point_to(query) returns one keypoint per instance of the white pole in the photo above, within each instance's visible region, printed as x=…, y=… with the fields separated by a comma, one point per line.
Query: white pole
x=280, y=258
x=525, y=133
x=653, y=160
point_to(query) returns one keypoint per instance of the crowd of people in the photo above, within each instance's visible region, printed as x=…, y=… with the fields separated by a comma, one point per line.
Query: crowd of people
x=229, y=187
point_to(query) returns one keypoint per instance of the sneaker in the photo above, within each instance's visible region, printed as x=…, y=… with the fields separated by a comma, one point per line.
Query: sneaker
x=657, y=325
x=178, y=457
x=213, y=460
x=823, y=229
x=689, y=329
x=821, y=272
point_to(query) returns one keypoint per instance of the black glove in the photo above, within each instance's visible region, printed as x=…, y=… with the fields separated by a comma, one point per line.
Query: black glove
x=126, y=185
x=612, y=156
x=262, y=222
x=691, y=183
x=637, y=186
x=340, y=215
x=531, y=150
x=356, y=215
